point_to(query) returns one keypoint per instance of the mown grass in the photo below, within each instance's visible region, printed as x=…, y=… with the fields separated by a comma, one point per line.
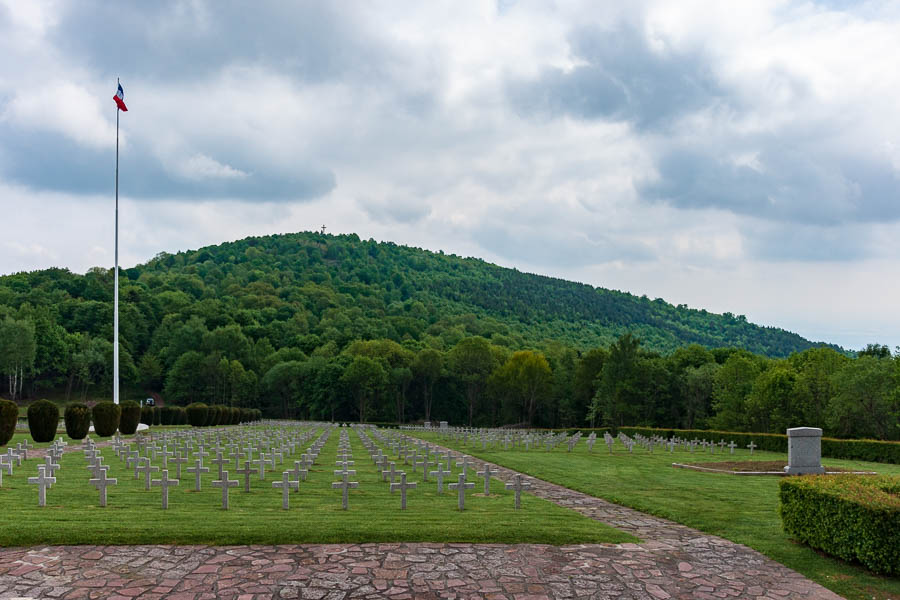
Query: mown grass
x=743, y=509
x=135, y=516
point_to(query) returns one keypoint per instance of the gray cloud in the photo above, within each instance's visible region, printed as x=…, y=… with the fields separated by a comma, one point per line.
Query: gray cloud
x=622, y=78
x=44, y=160
x=176, y=40
x=799, y=184
x=396, y=208
x=552, y=244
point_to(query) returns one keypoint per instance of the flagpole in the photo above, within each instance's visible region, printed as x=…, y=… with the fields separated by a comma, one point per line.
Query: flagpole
x=116, y=278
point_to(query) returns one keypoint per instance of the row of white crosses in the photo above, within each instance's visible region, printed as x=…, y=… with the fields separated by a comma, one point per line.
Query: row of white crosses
x=343, y=460
x=530, y=440
x=402, y=446
x=143, y=467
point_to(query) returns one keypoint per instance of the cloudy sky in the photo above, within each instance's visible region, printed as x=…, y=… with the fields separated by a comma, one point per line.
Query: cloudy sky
x=734, y=156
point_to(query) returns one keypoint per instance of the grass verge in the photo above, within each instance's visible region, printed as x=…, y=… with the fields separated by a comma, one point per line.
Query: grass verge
x=737, y=508
x=135, y=516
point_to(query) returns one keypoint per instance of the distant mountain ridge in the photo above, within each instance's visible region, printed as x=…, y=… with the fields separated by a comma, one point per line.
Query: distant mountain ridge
x=414, y=293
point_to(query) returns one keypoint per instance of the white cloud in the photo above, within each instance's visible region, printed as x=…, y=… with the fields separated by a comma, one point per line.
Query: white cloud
x=64, y=107
x=770, y=126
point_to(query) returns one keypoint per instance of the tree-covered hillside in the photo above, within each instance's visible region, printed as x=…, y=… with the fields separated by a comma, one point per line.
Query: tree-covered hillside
x=320, y=325
x=403, y=291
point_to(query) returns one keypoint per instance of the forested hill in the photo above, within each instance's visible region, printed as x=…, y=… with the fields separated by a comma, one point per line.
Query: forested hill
x=395, y=291
x=338, y=288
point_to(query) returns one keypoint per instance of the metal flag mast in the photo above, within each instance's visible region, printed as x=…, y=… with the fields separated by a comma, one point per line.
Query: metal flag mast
x=116, y=275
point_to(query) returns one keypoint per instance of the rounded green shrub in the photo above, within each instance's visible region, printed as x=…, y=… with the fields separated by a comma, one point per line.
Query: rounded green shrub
x=78, y=420
x=130, y=417
x=43, y=419
x=180, y=417
x=235, y=415
x=9, y=414
x=220, y=415
x=197, y=414
x=106, y=418
x=147, y=415
x=166, y=415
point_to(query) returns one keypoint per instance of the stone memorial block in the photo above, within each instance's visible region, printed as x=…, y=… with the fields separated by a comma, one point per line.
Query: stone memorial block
x=804, y=451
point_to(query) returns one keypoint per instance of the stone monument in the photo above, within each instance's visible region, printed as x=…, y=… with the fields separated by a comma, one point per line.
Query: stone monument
x=804, y=451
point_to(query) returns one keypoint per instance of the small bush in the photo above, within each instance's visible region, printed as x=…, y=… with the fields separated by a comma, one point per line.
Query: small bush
x=106, y=418
x=197, y=414
x=147, y=415
x=130, y=417
x=78, y=420
x=235, y=415
x=9, y=414
x=157, y=415
x=180, y=416
x=853, y=517
x=43, y=419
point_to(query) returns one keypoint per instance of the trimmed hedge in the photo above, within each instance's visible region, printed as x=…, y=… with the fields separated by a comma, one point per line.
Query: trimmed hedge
x=180, y=417
x=853, y=517
x=9, y=415
x=43, y=419
x=77, y=417
x=147, y=415
x=197, y=414
x=166, y=415
x=106, y=417
x=130, y=417
x=157, y=415
x=868, y=450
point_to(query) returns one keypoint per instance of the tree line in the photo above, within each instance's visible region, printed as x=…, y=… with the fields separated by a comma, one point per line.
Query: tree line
x=316, y=326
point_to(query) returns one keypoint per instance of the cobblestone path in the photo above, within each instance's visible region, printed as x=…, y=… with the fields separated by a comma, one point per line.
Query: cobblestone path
x=673, y=562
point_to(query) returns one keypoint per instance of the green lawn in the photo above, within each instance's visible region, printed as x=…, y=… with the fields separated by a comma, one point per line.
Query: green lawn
x=135, y=516
x=743, y=509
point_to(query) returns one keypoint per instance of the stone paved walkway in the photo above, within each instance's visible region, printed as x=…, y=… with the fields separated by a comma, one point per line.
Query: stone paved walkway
x=673, y=562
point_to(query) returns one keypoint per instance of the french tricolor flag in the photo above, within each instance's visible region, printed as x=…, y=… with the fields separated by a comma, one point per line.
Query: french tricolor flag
x=120, y=99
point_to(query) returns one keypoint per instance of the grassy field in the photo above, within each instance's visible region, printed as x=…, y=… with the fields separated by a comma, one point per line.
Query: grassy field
x=134, y=515
x=743, y=509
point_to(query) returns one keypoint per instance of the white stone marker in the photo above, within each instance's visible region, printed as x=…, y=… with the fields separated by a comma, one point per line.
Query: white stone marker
x=247, y=471
x=226, y=483
x=518, y=485
x=147, y=469
x=286, y=484
x=461, y=486
x=165, y=483
x=804, y=451
x=346, y=485
x=487, y=478
x=101, y=482
x=197, y=470
x=402, y=486
x=43, y=482
x=439, y=475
